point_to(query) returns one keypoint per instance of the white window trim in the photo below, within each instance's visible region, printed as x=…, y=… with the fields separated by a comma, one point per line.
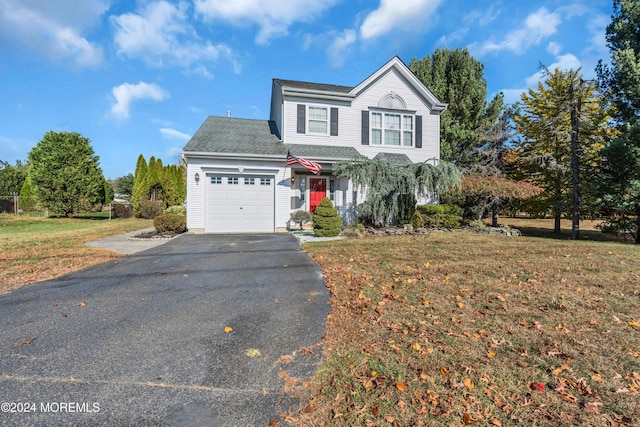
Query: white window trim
x=402, y=130
x=309, y=120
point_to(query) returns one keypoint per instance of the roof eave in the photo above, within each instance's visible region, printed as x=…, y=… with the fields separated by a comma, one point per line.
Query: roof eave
x=317, y=94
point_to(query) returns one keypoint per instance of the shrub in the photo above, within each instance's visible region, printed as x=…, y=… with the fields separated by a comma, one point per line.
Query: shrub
x=301, y=217
x=150, y=209
x=478, y=224
x=170, y=223
x=406, y=208
x=354, y=230
x=326, y=222
x=176, y=210
x=447, y=216
x=417, y=221
x=121, y=210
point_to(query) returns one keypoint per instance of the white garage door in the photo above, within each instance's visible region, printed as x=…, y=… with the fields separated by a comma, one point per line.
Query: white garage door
x=239, y=204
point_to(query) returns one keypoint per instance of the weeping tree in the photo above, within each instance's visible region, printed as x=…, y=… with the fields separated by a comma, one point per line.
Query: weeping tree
x=386, y=185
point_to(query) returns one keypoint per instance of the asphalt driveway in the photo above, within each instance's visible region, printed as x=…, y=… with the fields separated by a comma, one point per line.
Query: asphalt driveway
x=142, y=341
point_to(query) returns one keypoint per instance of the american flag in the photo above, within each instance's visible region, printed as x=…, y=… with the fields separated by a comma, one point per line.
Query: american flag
x=312, y=166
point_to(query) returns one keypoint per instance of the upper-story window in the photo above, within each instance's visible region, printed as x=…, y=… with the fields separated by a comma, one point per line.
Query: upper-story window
x=391, y=129
x=318, y=120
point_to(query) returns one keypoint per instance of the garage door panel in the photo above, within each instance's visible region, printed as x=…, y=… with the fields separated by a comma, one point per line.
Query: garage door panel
x=239, y=204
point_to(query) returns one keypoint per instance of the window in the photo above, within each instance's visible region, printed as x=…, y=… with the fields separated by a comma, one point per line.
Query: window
x=216, y=180
x=265, y=181
x=391, y=129
x=232, y=180
x=303, y=188
x=249, y=181
x=318, y=120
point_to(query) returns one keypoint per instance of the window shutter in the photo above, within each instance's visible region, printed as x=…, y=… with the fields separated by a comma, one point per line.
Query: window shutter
x=302, y=109
x=334, y=122
x=365, y=127
x=418, y=131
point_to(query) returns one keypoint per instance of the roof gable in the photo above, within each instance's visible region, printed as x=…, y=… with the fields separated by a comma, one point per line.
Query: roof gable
x=396, y=64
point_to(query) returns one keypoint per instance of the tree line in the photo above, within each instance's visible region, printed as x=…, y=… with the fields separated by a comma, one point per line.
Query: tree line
x=63, y=175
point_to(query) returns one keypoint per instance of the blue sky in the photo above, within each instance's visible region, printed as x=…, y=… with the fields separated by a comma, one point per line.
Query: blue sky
x=141, y=76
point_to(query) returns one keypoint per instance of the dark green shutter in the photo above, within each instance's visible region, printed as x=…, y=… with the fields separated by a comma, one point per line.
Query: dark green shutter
x=418, y=131
x=302, y=109
x=365, y=127
x=334, y=122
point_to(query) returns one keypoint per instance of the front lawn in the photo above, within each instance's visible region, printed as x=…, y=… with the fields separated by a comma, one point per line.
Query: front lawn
x=36, y=248
x=458, y=328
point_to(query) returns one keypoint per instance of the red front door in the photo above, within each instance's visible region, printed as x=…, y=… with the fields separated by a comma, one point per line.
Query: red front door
x=317, y=192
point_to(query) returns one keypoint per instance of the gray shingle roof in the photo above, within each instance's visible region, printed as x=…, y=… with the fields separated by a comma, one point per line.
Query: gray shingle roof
x=257, y=137
x=313, y=86
x=394, y=158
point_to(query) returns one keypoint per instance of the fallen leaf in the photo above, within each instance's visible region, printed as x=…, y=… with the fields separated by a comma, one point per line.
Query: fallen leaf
x=468, y=383
x=425, y=303
x=501, y=298
x=466, y=419
x=444, y=371
x=228, y=329
x=537, y=386
x=491, y=354
x=634, y=325
x=274, y=423
x=374, y=373
x=401, y=404
x=390, y=418
x=375, y=411
x=27, y=342
x=401, y=386
x=82, y=304
x=592, y=407
x=252, y=352
x=416, y=346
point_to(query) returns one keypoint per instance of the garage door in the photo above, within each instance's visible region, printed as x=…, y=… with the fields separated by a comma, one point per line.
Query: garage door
x=239, y=204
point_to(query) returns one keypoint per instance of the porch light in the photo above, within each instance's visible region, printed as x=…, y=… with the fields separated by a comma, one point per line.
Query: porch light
x=197, y=177
x=293, y=180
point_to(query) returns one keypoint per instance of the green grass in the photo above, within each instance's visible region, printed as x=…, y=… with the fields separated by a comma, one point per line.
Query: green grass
x=456, y=328
x=35, y=248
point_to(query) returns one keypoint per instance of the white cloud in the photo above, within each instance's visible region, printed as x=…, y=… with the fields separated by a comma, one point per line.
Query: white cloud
x=273, y=17
x=126, y=93
x=397, y=15
x=537, y=26
x=565, y=62
x=554, y=48
x=174, y=134
x=160, y=34
x=54, y=29
x=337, y=51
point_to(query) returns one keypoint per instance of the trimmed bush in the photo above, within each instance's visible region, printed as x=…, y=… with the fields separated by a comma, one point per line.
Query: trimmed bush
x=326, y=222
x=176, y=210
x=417, y=221
x=436, y=216
x=121, y=210
x=170, y=223
x=150, y=209
x=354, y=230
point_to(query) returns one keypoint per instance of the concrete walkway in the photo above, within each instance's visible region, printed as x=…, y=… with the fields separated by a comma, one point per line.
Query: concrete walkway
x=126, y=244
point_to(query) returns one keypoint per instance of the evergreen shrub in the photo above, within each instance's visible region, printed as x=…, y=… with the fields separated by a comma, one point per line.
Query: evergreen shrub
x=435, y=216
x=121, y=210
x=326, y=222
x=170, y=223
x=176, y=210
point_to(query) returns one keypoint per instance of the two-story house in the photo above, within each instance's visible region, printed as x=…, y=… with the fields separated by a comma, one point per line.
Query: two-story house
x=236, y=175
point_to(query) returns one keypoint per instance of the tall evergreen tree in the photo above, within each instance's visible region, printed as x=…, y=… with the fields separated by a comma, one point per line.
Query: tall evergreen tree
x=544, y=122
x=12, y=178
x=455, y=77
x=65, y=173
x=138, y=192
x=619, y=183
